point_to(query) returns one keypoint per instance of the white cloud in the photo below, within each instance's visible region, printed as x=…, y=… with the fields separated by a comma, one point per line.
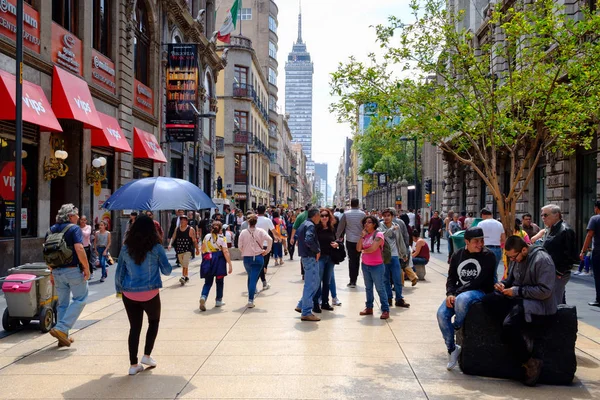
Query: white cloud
x=333, y=30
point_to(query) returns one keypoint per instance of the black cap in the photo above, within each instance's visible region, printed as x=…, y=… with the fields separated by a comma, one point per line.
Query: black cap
x=473, y=233
x=485, y=211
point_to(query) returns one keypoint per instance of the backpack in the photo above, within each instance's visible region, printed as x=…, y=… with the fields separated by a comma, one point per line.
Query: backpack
x=387, y=252
x=56, y=251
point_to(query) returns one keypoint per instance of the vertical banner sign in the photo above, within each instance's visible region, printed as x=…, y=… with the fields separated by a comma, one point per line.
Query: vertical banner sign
x=182, y=92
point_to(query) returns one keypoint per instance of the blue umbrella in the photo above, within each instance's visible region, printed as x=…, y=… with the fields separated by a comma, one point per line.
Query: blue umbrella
x=159, y=193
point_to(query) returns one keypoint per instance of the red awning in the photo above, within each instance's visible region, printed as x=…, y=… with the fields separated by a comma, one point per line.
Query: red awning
x=36, y=107
x=110, y=135
x=71, y=99
x=145, y=145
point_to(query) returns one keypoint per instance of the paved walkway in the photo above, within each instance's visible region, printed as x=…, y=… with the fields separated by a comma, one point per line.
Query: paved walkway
x=267, y=352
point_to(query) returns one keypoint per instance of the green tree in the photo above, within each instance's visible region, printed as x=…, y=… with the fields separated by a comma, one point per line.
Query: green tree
x=527, y=84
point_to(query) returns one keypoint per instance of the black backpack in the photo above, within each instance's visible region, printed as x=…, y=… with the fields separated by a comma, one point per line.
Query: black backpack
x=56, y=251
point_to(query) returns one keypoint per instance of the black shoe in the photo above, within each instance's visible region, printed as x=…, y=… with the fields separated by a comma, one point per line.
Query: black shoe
x=316, y=309
x=402, y=303
x=327, y=307
x=594, y=303
x=349, y=284
x=187, y=279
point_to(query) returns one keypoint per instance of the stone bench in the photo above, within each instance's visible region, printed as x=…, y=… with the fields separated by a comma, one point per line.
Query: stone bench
x=484, y=353
x=420, y=271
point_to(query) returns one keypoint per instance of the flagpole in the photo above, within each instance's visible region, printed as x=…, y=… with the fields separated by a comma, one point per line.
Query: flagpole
x=240, y=11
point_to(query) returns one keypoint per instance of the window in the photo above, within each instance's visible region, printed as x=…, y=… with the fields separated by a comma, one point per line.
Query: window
x=240, y=75
x=272, y=50
x=101, y=36
x=241, y=117
x=272, y=77
x=141, y=44
x=272, y=24
x=272, y=103
x=245, y=14
x=64, y=12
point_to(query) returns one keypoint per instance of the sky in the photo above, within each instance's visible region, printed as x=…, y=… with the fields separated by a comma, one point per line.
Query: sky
x=333, y=30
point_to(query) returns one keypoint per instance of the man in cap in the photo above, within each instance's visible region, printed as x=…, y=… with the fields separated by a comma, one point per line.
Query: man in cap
x=470, y=277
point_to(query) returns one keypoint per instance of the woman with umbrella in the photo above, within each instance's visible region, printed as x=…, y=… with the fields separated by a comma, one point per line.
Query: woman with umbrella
x=214, y=257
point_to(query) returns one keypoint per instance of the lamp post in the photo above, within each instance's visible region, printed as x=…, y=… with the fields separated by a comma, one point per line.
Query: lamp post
x=19, y=131
x=248, y=166
x=405, y=139
x=210, y=115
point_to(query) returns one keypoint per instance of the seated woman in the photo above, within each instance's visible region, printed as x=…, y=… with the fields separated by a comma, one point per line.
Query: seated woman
x=420, y=255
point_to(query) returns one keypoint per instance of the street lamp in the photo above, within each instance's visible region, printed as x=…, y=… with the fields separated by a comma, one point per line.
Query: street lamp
x=405, y=139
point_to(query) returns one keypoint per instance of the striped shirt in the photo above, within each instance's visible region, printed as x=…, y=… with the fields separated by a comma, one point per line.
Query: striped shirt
x=351, y=225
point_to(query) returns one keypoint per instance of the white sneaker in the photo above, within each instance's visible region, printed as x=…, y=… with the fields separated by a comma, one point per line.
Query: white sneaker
x=134, y=370
x=577, y=273
x=219, y=303
x=336, y=302
x=250, y=304
x=202, y=304
x=266, y=286
x=149, y=361
x=453, y=358
x=585, y=274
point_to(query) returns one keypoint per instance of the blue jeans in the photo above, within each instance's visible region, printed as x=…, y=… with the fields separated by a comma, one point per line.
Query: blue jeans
x=278, y=250
x=208, y=282
x=325, y=272
x=311, y=284
x=253, y=266
x=374, y=275
x=461, y=306
x=332, y=287
x=392, y=270
x=498, y=253
x=102, y=261
x=67, y=281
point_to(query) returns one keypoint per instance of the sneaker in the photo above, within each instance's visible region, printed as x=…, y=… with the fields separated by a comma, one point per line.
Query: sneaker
x=327, y=307
x=367, y=311
x=310, y=317
x=349, y=284
x=91, y=277
x=135, y=369
x=385, y=315
x=336, y=302
x=101, y=280
x=149, y=361
x=402, y=303
x=266, y=286
x=187, y=279
x=577, y=273
x=353, y=285
x=584, y=274
x=453, y=358
x=219, y=303
x=594, y=304
x=316, y=309
x=62, y=337
x=281, y=262
x=533, y=370
x=250, y=304
x=182, y=281
x=202, y=304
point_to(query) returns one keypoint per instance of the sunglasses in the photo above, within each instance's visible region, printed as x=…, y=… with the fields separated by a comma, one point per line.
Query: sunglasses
x=324, y=216
x=545, y=215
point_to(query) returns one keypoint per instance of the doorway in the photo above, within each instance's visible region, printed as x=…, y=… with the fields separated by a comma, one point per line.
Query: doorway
x=586, y=193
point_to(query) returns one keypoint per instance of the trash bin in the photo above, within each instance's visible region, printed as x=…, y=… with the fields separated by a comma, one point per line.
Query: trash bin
x=476, y=222
x=20, y=293
x=458, y=240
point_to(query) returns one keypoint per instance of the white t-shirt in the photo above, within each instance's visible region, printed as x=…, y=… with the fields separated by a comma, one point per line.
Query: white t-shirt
x=492, y=231
x=411, y=219
x=266, y=224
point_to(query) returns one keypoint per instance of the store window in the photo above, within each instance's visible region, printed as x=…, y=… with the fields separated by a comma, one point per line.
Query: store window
x=101, y=35
x=104, y=191
x=141, y=44
x=65, y=13
x=8, y=220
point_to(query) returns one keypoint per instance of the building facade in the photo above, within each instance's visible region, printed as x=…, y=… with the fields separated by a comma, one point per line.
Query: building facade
x=299, y=94
x=94, y=79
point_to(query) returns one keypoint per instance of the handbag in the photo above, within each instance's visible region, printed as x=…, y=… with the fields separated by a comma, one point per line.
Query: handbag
x=338, y=255
x=109, y=259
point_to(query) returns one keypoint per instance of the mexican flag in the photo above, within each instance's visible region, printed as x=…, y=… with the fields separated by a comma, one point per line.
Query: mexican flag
x=224, y=34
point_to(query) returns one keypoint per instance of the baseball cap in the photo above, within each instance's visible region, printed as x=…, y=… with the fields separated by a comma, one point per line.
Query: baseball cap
x=474, y=233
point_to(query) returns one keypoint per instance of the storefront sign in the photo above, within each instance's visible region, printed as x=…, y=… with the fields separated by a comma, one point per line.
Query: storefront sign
x=240, y=196
x=98, y=213
x=182, y=92
x=8, y=181
x=103, y=72
x=143, y=98
x=66, y=49
x=31, y=26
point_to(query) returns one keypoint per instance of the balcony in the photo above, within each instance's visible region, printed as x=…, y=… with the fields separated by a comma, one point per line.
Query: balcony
x=247, y=91
x=220, y=147
x=242, y=138
x=240, y=178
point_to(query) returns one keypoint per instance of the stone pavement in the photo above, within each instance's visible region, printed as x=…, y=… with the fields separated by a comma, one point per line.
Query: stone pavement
x=267, y=352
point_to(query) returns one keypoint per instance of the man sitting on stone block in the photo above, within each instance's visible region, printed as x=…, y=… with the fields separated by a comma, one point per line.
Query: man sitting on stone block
x=523, y=300
x=470, y=277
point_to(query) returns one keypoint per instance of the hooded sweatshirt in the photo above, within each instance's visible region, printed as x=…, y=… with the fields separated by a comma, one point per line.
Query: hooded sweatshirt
x=533, y=280
x=471, y=271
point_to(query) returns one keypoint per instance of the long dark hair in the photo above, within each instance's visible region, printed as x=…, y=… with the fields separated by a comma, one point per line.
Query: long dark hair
x=141, y=238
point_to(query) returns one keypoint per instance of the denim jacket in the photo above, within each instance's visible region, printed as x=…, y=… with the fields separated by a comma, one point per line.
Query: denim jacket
x=308, y=241
x=131, y=277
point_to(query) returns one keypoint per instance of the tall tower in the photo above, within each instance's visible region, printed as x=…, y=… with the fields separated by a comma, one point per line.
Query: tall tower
x=298, y=95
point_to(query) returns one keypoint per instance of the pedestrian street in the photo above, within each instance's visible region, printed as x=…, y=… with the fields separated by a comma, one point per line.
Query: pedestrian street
x=267, y=352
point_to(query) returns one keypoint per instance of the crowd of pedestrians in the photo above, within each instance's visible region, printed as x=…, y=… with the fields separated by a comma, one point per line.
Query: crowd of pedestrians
x=381, y=244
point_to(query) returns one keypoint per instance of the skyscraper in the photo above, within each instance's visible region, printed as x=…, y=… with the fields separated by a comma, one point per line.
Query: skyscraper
x=299, y=93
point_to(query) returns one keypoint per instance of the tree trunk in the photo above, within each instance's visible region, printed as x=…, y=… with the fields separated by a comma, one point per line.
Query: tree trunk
x=508, y=214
